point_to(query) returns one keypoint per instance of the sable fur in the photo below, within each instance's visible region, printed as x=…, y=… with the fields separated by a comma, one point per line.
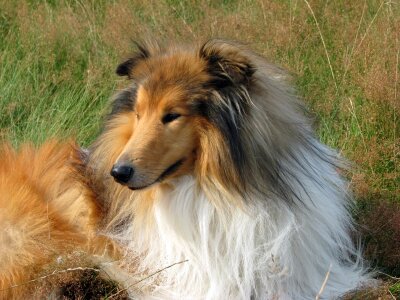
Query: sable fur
x=46, y=211
x=258, y=208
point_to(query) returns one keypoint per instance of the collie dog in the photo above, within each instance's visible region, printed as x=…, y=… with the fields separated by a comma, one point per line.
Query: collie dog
x=46, y=212
x=208, y=164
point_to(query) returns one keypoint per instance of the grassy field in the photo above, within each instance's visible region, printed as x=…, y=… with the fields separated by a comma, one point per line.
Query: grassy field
x=57, y=61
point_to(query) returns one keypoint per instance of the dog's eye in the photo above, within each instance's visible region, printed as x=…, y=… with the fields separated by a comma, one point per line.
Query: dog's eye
x=170, y=117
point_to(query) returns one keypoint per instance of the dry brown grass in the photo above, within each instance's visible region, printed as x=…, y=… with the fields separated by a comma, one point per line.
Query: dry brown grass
x=72, y=276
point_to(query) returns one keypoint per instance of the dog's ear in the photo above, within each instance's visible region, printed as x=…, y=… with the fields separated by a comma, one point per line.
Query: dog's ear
x=125, y=68
x=227, y=63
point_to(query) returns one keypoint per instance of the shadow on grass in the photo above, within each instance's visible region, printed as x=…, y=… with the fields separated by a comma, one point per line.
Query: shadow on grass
x=378, y=221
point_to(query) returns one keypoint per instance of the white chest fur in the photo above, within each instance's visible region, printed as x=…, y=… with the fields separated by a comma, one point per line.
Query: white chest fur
x=272, y=251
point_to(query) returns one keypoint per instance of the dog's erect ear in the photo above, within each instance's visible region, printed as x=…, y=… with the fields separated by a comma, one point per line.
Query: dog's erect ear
x=124, y=69
x=227, y=62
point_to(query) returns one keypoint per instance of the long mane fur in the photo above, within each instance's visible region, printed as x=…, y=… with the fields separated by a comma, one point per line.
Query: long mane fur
x=265, y=212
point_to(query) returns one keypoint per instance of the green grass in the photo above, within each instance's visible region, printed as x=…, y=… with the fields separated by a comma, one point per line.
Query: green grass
x=46, y=85
x=395, y=289
x=57, y=61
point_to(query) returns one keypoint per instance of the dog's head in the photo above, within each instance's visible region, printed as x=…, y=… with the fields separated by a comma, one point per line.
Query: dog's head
x=182, y=113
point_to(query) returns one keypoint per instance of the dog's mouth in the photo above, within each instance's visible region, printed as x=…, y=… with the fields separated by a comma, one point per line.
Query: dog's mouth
x=167, y=172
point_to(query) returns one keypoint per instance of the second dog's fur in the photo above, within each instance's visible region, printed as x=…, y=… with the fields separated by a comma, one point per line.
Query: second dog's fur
x=46, y=213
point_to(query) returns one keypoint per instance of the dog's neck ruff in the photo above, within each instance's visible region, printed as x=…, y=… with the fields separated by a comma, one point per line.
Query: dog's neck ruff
x=272, y=251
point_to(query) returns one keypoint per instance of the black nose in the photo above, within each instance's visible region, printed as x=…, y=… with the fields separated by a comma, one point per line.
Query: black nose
x=122, y=173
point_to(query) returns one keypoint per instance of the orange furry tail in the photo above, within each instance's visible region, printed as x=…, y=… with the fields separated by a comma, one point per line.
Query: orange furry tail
x=45, y=211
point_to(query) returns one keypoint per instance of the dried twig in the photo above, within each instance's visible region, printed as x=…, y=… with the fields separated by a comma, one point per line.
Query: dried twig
x=183, y=20
x=323, y=43
x=147, y=277
x=387, y=275
x=393, y=297
x=355, y=49
x=370, y=24
x=346, y=69
x=324, y=283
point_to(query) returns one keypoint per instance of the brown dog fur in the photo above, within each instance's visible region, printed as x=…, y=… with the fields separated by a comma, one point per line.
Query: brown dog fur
x=46, y=211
